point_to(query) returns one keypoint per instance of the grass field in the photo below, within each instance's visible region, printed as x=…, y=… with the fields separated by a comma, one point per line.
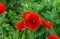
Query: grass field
x=47, y=9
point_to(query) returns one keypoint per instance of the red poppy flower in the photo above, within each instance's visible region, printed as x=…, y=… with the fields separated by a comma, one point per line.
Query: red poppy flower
x=52, y=36
x=46, y=24
x=2, y=8
x=20, y=25
x=33, y=21
x=50, y=23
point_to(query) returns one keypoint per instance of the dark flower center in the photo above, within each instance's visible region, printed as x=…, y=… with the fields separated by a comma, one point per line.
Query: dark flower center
x=33, y=22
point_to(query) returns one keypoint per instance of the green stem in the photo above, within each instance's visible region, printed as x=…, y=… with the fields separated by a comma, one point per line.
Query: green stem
x=46, y=34
x=32, y=34
x=35, y=32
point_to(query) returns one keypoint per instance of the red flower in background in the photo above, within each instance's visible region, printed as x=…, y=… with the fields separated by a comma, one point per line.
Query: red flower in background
x=2, y=8
x=52, y=36
x=33, y=21
x=46, y=24
x=20, y=25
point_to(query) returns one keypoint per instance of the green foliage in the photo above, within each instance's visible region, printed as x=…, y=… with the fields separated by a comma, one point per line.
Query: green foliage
x=48, y=9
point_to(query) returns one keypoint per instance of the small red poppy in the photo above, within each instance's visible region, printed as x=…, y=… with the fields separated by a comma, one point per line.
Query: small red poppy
x=46, y=24
x=50, y=23
x=20, y=25
x=52, y=36
x=33, y=21
x=2, y=8
x=26, y=14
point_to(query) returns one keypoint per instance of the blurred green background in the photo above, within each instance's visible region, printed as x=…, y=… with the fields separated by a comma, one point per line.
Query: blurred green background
x=48, y=9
